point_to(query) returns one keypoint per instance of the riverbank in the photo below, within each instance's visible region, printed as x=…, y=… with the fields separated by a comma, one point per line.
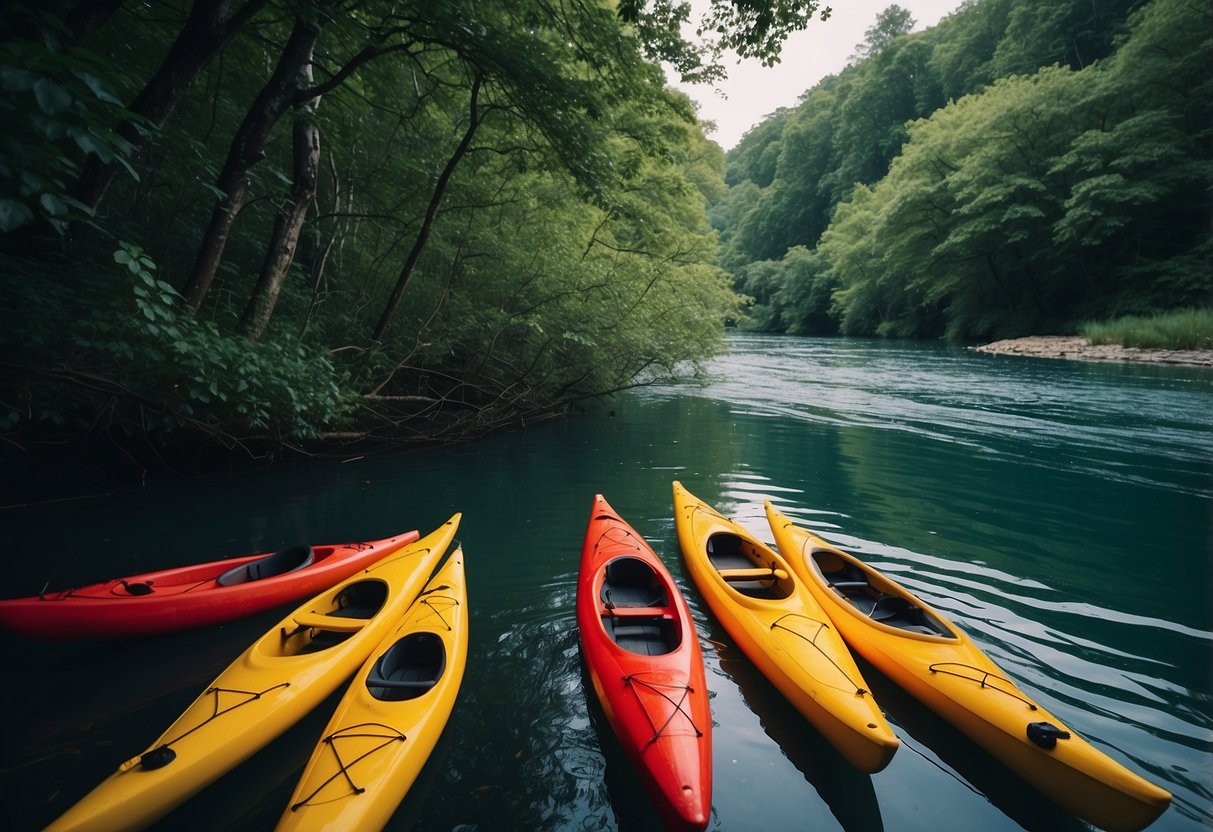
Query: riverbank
x=1079, y=348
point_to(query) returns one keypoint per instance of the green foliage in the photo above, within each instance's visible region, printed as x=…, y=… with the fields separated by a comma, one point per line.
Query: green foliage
x=792, y=295
x=58, y=107
x=893, y=22
x=141, y=351
x=751, y=30
x=570, y=255
x=557, y=298
x=1184, y=329
x=1067, y=192
x=224, y=381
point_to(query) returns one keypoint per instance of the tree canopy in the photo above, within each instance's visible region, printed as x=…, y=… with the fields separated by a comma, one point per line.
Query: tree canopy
x=1015, y=169
x=275, y=220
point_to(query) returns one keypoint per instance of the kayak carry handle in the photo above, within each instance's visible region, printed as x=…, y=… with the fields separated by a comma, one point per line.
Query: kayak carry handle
x=1046, y=734
x=158, y=757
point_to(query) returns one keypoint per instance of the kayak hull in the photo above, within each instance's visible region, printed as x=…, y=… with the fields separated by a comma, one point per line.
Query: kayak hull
x=280, y=678
x=380, y=737
x=645, y=664
x=186, y=597
x=783, y=631
x=939, y=664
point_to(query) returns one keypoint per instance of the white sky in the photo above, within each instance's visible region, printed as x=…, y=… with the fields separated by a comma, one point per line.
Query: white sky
x=753, y=91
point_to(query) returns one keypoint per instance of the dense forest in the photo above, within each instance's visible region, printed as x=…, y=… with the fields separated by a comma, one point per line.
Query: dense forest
x=1016, y=169
x=277, y=222
x=300, y=223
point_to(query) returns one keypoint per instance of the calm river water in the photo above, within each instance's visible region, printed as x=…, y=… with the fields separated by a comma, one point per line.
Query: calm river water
x=1060, y=512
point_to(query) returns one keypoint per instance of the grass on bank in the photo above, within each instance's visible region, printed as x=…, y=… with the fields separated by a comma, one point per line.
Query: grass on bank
x=1184, y=329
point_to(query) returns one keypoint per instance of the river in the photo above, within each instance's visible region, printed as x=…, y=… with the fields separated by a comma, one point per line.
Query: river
x=1060, y=512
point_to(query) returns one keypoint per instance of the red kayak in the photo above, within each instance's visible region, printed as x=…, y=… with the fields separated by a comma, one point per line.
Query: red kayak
x=192, y=596
x=644, y=661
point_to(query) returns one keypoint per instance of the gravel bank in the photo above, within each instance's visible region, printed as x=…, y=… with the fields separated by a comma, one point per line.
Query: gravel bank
x=1077, y=347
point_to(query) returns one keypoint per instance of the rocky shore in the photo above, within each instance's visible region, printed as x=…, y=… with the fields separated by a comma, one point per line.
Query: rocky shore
x=1077, y=347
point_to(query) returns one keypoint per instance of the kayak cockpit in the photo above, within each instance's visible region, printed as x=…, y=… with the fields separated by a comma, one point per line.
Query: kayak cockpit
x=636, y=609
x=739, y=563
x=279, y=563
x=630, y=582
x=648, y=635
x=874, y=598
x=352, y=608
x=408, y=668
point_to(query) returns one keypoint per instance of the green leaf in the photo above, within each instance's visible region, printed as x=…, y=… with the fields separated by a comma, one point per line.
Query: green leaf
x=53, y=205
x=14, y=214
x=51, y=97
x=13, y=79
x=89, y=144
x=99, y=88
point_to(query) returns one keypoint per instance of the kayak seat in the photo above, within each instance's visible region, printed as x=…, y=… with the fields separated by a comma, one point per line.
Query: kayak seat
x=724, y=552
x=862, y=601
x=362, y=599
x=890, y=607
x=849, y=576
x=648, y=636
x=898, y=612
x=726, y=555
x=279, y=563
x=408, y=668
x=630, y=582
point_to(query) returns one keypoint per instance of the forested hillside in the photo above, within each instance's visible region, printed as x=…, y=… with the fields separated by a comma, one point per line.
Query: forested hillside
x=272, y=220
x=1017, y=168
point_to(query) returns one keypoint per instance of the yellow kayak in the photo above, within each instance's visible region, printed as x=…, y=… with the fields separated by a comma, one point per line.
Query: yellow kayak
x=282, y=676
x=391, y=717
x=923, y=652
x=782, y=630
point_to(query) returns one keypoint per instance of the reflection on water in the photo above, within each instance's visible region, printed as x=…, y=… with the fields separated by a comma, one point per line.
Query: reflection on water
x=846, y=791
x=1060, y=513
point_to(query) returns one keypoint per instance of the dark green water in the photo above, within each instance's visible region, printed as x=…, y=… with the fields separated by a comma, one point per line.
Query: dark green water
x=1060, y=512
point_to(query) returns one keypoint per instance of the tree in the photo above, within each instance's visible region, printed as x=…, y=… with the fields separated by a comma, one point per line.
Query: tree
x=509, y=190
x=248, y=148
x=208, y=28
x=890, y=24
x=289, y=222
x=747, y=28
x=427, y=224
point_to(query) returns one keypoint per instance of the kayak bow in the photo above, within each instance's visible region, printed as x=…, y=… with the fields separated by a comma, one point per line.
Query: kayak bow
x=935, y=661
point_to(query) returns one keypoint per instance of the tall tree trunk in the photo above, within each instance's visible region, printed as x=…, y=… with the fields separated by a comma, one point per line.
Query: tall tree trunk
x=207, y=30
x=281, y=253
x=423, y=235
x=319, y=257
x=248, y=148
